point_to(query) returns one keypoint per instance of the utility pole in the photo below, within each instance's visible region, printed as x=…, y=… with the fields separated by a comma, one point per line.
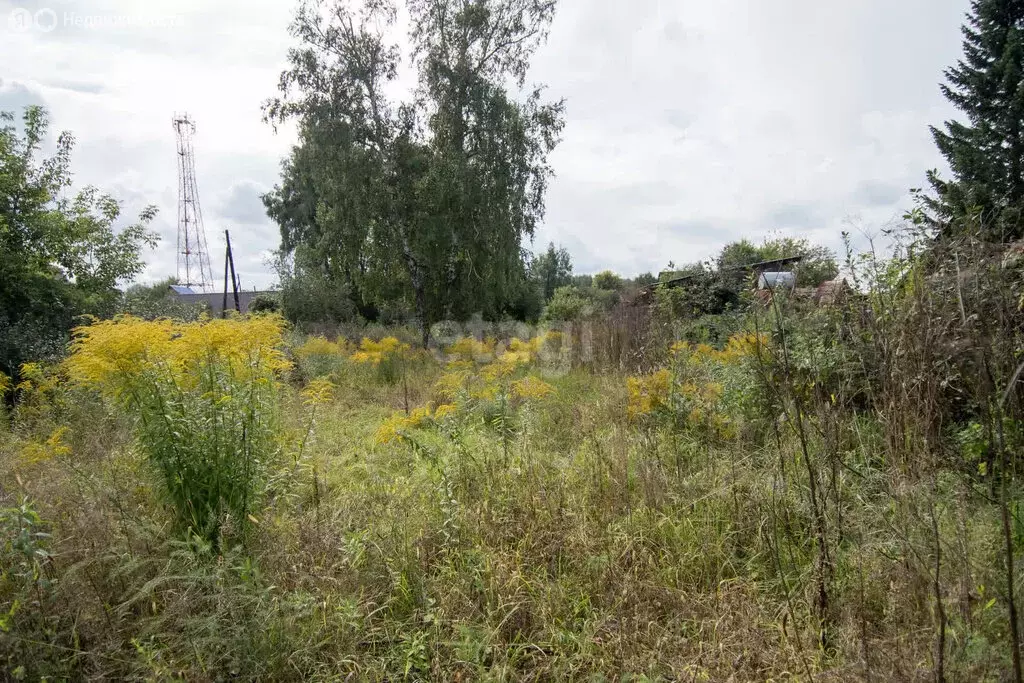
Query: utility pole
x=234, y=278
x=227, y=260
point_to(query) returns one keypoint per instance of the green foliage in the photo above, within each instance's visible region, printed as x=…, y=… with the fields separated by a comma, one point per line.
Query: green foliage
x=986, y=154
x=29, y=622
x=569, y=303
x=551, y=269
x=421, y=204
x=702, y=293
x=644, y=279
x=784, y=492
x=204, y=398
x=583, y=281
x=265, y=303
x=584, y=297
x=731, y=261
x=309, y=295
x=818, y=264
x=525, y=302
x=712, y=329
x=499, y=537
x=211, y=445
x=673, y=272
x=25, y=553
x=60, y=256
x=608, y=281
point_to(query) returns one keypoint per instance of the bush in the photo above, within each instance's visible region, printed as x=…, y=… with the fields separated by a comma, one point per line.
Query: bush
x=265, y=304
x=205, y=396
x=389, y=357
x=569, y=303
x=310, y=296
x=320, y=357
x=704, y=294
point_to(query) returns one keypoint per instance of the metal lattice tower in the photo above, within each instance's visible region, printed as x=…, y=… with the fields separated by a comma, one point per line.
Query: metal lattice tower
x=193, y=257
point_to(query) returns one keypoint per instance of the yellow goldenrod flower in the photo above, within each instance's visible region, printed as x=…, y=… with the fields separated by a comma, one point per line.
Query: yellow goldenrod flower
x=31, y=372
x=532, y=388
x=389, y=429
x=54, y=446
x=648, y=394
x=419, y=416
x=451, y=383
x=375, y=353
x=713, y=391
x=394, y=427
x=502, y=368
x=318, y=392
x=704, y=351
x=471, y=350
x=111, y=354
x=321, y=346
x=736, y=348
x=444, y=411
x=485, y=392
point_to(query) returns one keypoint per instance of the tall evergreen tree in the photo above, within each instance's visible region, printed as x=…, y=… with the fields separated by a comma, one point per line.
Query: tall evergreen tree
x=551, y=269
x=986, y=154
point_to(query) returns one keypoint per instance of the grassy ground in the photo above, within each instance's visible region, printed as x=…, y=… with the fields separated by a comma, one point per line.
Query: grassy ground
x=584, y=533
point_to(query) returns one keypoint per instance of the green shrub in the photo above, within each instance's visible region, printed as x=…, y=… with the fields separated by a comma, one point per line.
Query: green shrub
x=206, y=400
x=265, y=303
x=569, y=303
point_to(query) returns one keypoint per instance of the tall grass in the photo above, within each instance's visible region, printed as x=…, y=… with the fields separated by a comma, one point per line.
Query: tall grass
x=830, y=493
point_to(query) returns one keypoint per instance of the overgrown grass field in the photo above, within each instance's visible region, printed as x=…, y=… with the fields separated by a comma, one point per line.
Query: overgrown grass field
x=798, y=498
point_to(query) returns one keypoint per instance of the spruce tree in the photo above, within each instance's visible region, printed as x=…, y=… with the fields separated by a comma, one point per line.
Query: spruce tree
x=986, y=154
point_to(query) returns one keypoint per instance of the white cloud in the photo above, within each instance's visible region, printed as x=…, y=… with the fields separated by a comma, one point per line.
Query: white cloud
x=720, y=117
x=689, y=123
x=116, y=87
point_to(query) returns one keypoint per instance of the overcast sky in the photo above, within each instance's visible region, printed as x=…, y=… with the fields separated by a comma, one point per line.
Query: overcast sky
x=689, y=124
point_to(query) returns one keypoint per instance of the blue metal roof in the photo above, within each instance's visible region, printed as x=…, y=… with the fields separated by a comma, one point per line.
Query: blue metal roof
x=182, y=289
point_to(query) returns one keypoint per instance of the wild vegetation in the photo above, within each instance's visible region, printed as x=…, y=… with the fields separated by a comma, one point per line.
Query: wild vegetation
x=60, y=256
x=670, y=478
x=419, y=204
x=233, y=499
